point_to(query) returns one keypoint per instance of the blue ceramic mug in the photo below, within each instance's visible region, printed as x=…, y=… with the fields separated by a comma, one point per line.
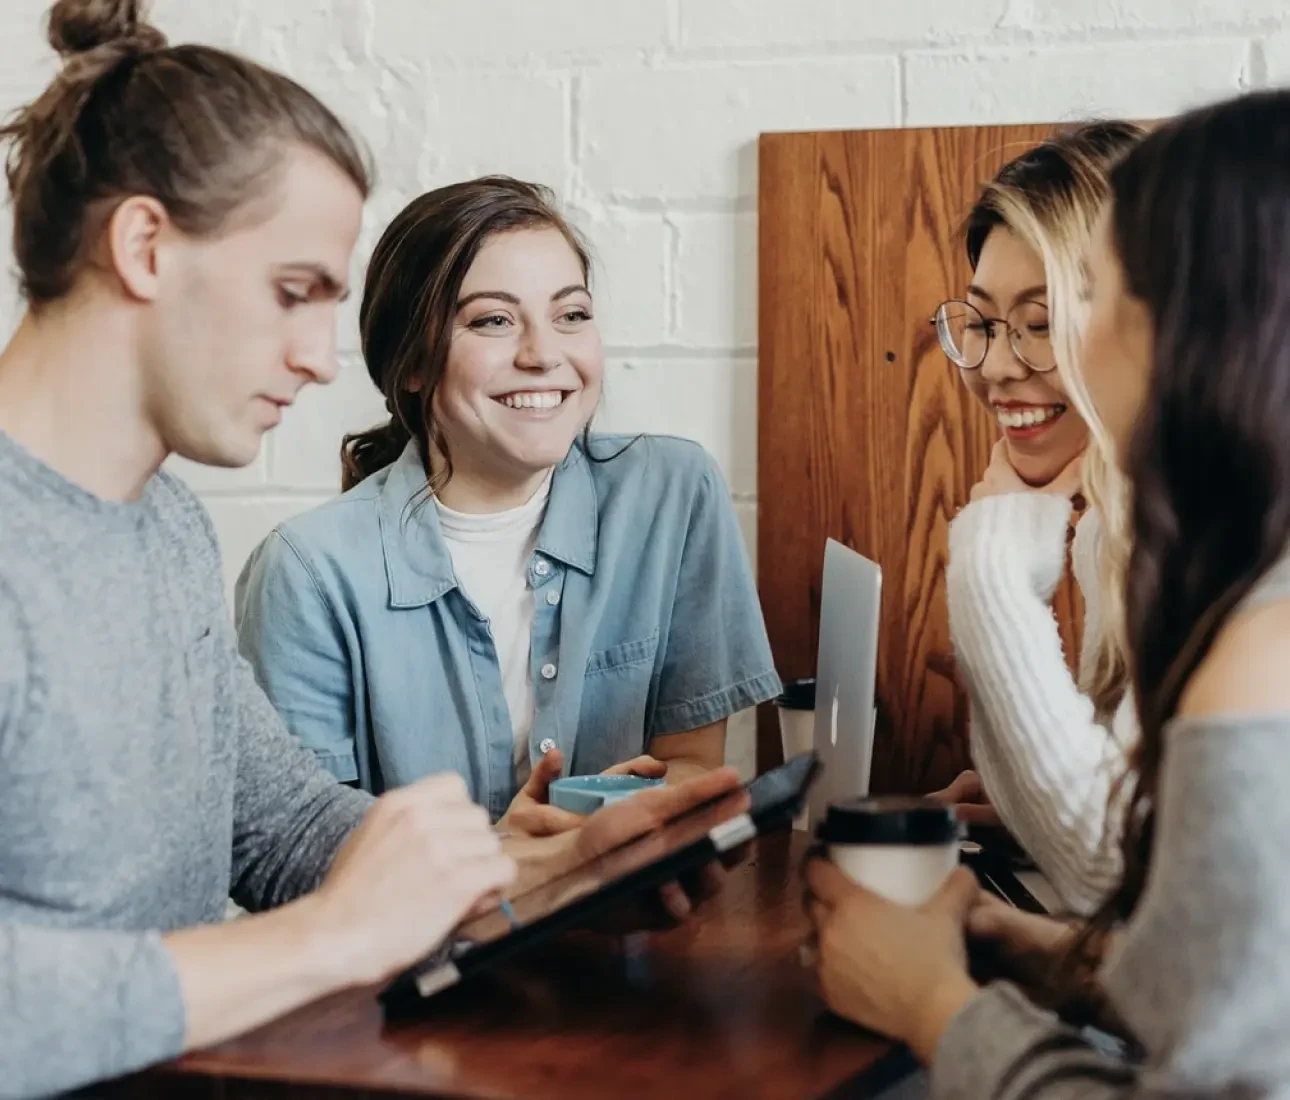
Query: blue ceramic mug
x=585, y=794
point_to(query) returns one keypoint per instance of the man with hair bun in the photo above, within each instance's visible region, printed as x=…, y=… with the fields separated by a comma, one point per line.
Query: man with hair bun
x=183, y=225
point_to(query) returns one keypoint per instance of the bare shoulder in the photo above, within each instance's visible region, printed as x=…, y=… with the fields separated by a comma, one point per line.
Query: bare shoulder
x=1247, y=671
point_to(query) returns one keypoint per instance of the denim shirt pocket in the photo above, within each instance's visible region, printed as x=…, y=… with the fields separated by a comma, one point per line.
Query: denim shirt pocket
x=623, y=656
x=615, y=697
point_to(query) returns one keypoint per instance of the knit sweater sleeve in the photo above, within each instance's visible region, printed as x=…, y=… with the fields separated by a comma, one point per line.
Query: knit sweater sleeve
x=1201, y=976
x=76, y=1004
x=1048, y=765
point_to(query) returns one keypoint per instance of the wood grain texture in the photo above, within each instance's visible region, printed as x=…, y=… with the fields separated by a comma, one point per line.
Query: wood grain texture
x=717, y=1008
x=865, y=433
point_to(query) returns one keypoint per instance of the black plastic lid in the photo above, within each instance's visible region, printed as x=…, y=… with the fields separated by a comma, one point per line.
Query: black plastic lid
x=890, y=820
x=798, y=695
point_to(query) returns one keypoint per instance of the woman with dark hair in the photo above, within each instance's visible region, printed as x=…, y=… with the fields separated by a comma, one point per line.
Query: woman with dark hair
x=500, y=592
x=1188, y=365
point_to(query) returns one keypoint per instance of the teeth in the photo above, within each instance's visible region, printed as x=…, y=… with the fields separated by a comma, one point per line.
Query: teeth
x=546, y=399
x=1028, y=418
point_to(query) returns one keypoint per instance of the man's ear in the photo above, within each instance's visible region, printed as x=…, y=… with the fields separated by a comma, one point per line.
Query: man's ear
x=132, y=242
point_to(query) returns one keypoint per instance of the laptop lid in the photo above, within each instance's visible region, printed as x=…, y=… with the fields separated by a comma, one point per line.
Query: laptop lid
x=847, y=669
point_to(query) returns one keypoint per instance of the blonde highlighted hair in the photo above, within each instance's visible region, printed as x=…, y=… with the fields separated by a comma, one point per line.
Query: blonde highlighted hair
x=1051, y=198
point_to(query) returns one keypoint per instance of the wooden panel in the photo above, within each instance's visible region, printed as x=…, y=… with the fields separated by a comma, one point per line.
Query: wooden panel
x=866, y=434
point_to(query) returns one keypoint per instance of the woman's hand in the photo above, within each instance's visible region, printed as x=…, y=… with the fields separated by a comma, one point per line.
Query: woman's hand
x=1026, y=946
x=542, y=858
x=967, y=795
x=1000, y=478
x=1032, y=952
x=1025, y=939
x=899, y=971
x=531, y=812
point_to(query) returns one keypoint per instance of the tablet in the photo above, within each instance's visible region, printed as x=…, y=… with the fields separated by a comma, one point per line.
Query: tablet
x=995, y=872
x=578, y=896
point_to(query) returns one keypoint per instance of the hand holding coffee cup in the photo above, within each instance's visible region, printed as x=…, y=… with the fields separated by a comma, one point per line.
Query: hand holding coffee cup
x=900, y=848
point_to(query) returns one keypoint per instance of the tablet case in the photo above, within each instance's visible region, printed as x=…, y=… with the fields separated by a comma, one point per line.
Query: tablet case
x=775, y=798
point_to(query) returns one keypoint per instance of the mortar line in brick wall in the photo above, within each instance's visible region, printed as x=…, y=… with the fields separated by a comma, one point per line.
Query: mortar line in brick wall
x=1017, y=13
x=268, y=457
x=1005, y=39
x=997, y=48
x=902, y=104
x=1254, y=73
x=572, y=130
x=679, y=351
x=641, y=204
x=671, y=278
x=675, y=30
x=617, y=60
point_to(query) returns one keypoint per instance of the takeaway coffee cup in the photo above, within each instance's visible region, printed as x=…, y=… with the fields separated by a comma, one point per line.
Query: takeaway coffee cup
x=796, y=706
x=901, y=848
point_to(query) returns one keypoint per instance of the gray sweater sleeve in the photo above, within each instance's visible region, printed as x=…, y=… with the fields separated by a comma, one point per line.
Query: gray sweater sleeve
x=80, y=1006
x=290, y=815
x=1202, y=978
x=75, y=1005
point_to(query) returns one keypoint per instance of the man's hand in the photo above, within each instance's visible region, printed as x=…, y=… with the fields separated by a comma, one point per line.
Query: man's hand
x=420, y=860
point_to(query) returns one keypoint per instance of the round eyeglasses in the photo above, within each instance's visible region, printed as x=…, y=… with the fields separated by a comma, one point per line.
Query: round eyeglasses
x=965, y=332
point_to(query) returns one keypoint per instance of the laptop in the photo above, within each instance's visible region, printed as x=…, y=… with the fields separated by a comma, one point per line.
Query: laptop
x=846, y=711
x=846, y=675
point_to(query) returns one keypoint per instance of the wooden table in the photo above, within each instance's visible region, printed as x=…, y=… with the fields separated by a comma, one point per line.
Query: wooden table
x=717, y=1008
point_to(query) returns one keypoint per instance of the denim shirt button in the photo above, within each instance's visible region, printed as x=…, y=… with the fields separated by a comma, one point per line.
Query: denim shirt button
x=548, y=672
x=542, y=568
x=553, y=597
x=545, y=745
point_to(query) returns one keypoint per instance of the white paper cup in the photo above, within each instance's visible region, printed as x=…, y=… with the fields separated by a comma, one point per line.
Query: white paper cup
x=900, y=848
x=796, y=706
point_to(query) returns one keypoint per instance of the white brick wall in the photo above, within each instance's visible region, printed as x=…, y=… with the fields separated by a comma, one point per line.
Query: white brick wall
x=643, y=115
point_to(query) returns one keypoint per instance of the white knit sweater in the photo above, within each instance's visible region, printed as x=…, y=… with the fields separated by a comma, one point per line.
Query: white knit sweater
x=1048, y=766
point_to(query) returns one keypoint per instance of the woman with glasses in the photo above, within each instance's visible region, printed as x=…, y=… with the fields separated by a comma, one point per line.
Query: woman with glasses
x=1188, y=363
x=1047, y=747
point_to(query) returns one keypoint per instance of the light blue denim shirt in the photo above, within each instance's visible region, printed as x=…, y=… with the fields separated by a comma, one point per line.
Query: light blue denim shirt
x=646, y=622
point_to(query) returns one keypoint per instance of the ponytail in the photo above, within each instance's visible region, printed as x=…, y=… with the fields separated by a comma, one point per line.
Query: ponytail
x=364, y=453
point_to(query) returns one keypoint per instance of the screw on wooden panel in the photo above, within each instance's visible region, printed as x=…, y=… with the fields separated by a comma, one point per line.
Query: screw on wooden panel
x=891, y=357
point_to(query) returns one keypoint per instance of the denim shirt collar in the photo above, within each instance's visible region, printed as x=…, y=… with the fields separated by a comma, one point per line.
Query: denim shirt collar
x=418, y=565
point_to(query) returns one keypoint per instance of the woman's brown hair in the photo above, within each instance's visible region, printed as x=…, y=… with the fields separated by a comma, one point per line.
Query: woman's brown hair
x=1201, y=228
x=199, y=129
x=410, y=300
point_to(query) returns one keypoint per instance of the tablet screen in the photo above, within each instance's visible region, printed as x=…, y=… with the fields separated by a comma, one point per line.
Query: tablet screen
x=780, y=788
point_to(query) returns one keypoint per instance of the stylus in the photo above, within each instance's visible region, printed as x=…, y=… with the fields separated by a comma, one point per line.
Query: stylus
x=509, y=910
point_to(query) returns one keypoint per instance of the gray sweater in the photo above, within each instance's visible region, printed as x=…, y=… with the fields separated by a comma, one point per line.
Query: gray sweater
x=1202, y=976
x=143, y=775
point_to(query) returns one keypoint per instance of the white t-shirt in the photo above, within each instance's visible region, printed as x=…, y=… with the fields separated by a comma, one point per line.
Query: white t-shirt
x=490, y=555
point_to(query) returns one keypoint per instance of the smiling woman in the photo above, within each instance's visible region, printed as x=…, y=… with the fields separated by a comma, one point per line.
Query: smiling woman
x=1000, y=338
x=502, y=592
x=1049, y=748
